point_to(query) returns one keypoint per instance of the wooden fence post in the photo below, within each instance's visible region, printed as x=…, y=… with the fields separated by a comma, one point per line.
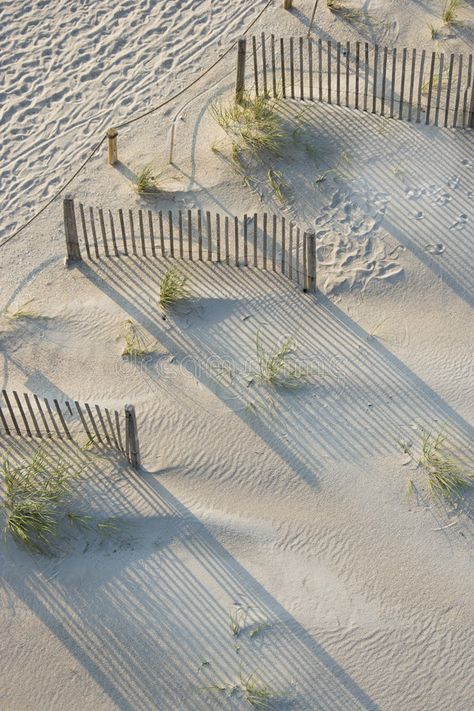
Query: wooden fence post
x=240, y=82
x=311, y=262
x=287, y=4
x=112, y=134
x=70, y=230
x=470, y=119
x=131, y=436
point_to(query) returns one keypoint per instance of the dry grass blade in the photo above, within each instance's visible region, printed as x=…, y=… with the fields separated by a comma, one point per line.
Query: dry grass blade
x=23, y=311
x=256, y=693
x=450, y=12
x=172, y=288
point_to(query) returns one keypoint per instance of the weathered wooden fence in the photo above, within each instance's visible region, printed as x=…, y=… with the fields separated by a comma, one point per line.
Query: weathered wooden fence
x=28, y=415
x=265, y=242
x=413, y=85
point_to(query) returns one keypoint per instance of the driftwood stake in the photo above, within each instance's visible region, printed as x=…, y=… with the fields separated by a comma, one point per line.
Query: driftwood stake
x=70, y=230
x=112, y=134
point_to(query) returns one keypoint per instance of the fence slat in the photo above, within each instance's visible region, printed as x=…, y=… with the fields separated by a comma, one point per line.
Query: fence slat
x=218, y=237
x=310, y=69
x=264, y=243
x=180, y=234
x=374, y=87
x=298, y=245
x=420, y=86
x=104, y=234
x=22, y=413
x=199, y=214
x=236, y=240
x=94, y=232
x=132, y=233
x=42, y=415
x=255, y=240
x=209, y=236
x=301, y=69
x=83, y=421
x=274, y=242
x=384, y=81
x=226, y=239
x=274, y=79
x=305, y=264
x=190, y=236
x=448, y=91
x=439, y=87
x=51, y=417
x=348, y=66
x=255, y=65
x=112, y=233
x=458, y=92
x=329, y=72
x=264, y=65
x=84, y=229
x=122, y=230
x=111, y=428
x=62, y=420
x=10, y=410
x=283, y=245
x=4, y=422
x=246, y=261
x=118, y=430
x=162, y=233
x=357, y=75
x=394, y=80
x=93, y=423
x=102, y=424
x=142, y=232
x=290, y=252
x=430, y=87
x=412, y=84
x=152, y=233
x=32, y=414
x=292, y=68
x=468, y=84
x=282, y=67
x=366, y=76
x=171, y=232
x=320, y=69
x=338, y=74
x=402, y=84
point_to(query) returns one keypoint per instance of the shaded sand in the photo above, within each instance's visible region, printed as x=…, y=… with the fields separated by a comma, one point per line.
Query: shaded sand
x=286, y=506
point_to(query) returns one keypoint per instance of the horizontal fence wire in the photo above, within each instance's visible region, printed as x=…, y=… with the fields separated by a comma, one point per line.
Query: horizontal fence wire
x=408, y=84
x=265, y=241
x=30, y=416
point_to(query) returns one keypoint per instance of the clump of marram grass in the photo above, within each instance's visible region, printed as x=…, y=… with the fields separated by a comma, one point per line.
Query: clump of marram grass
x=450, y=12
x=257, y=694
x=146, y=181
x=256, y=131
x=447, y=477
x=136, y=341
x=172, y=288
x=35, y=495
x=275, y=367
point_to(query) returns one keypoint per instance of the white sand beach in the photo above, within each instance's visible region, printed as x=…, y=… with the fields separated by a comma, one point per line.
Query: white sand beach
x=279, y=536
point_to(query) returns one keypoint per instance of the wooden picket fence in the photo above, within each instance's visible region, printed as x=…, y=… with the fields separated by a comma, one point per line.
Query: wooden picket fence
x=31, y=416
x=406, y=84
x=265, y=242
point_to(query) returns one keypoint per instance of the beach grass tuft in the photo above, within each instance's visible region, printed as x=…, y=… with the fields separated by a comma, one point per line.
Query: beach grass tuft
x=146, y=181
x=35, y=493
x=450, y=12
x=275, y=367
x=447, y=478
x=136, y=341
x=172, y=288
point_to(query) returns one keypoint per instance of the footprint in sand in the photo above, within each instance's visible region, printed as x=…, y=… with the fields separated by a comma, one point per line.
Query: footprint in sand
x=460, y=223
x=435, y=248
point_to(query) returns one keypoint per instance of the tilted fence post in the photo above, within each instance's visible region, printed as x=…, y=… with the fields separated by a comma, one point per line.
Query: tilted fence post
x=240, y=81
x=112, y=134
x=311, y=262
x=131, y=437
x=70, y=230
